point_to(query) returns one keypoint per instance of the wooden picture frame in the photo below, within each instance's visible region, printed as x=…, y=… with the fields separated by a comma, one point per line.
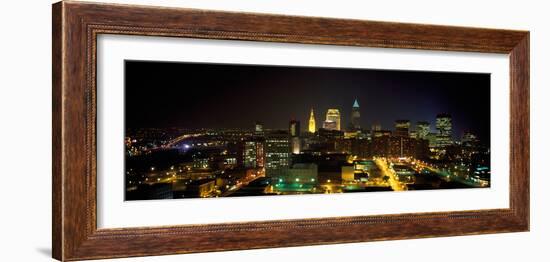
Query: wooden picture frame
x=76, y=26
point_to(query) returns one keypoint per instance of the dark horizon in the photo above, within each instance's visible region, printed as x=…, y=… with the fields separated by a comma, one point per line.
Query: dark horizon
x=200, y=95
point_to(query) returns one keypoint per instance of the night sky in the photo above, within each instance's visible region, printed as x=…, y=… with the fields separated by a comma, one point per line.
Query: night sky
x=195, y=95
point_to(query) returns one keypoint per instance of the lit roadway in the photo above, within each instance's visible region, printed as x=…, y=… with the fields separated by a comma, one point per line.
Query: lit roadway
x=238, y=186
x=450, y=176
x=395, y=184
x=230, y=191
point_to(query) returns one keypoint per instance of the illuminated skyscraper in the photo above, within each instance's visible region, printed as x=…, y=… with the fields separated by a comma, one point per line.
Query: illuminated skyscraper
x=294, y=128
x=329, y=125
x=259, y=128
x=295, y=145
x=402, y=128
x=355, y=116
x=294, y=131
x=334, y=115
x=311, y=127
x=470, y=145
x=469, y=139
x=444, y=126
x=422, y=129
x=376, y=127
x=277, y=152
x=253, y=155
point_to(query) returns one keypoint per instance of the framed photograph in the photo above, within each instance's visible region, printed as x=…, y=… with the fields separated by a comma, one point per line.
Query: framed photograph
x=193, y=131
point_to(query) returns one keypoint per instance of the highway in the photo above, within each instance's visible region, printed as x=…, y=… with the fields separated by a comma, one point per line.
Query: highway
x=238, y=186
x=450, y=177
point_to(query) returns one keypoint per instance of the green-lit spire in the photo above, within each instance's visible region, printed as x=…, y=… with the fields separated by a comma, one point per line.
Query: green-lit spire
x=355, y=104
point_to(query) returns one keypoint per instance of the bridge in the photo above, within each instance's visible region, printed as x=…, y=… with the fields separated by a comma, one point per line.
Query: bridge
x=179, y=139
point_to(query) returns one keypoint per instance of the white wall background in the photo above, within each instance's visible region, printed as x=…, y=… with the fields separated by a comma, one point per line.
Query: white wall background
x=25, y=130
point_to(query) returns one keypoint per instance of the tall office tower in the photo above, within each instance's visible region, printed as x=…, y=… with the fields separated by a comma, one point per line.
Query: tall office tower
x=355, y=116
x=376, y=127
x=470, y=145
x=311, y=127
x=444, y=126
x=294, y=128
x=422, y=129
x=329, y=125
x=259, y=128
x=277, y=152
x=334, y=115
x=295, y=141
x=295, y=145
x=253, y=154
x=469, y=139
x=402, y=128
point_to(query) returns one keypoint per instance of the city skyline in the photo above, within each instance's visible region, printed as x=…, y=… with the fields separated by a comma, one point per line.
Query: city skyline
x=292, y=91
x=240, y=130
